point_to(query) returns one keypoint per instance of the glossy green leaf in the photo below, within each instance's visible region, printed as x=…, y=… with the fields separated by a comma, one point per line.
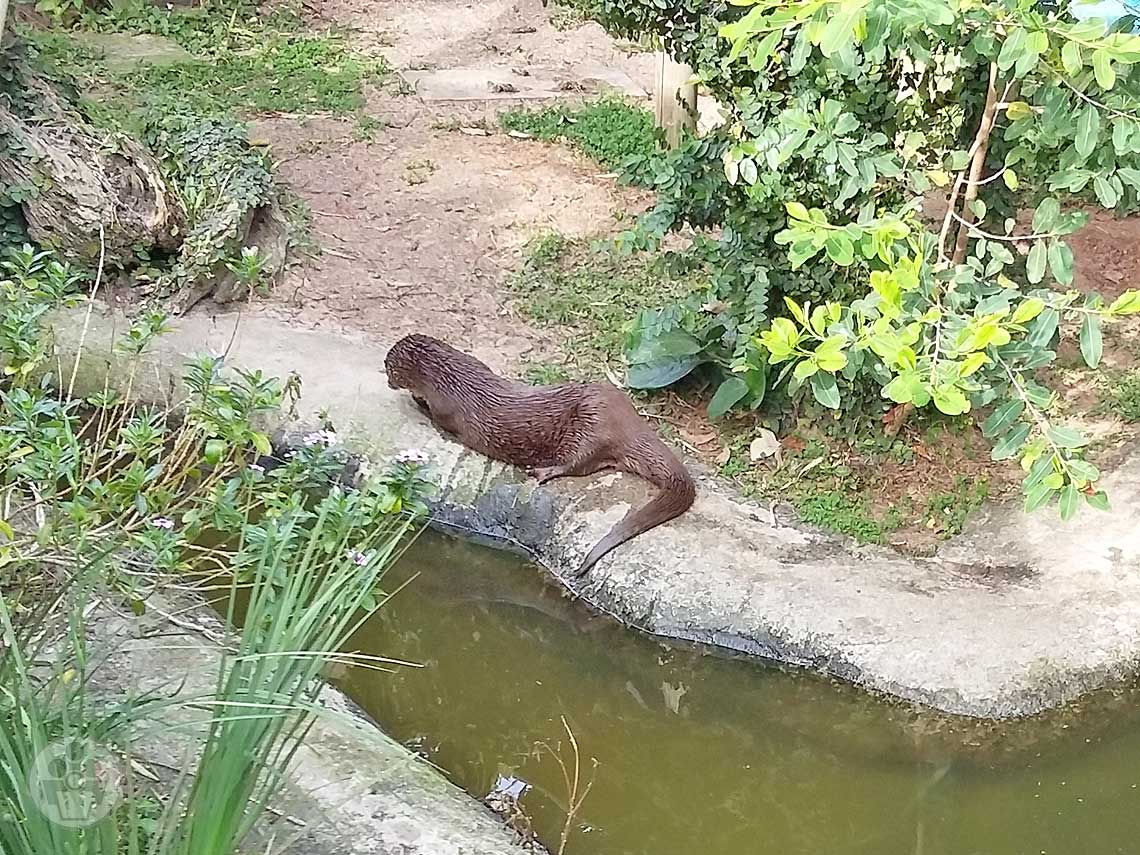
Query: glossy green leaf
x=1070, y=502
x=1098, y=500
x=661, y=372
x=1061, y=262
x=1102, y=68
x=1011, y=443
x=1071, y=58
x=1002, y=417
x=1035, y=263
x=728, y=394
x=1092, y=342
x=1038, y=496
x=1066, y=437
x=1088, y=127
x=951, y=400
x=825, y=390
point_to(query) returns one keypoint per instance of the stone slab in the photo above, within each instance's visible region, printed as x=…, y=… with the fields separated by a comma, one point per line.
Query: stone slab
x=493, y=83
x=123, y=51
x=1021, y=614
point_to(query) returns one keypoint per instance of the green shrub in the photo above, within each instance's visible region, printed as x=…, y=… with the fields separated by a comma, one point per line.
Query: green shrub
x=841, y=116
x=609, y=130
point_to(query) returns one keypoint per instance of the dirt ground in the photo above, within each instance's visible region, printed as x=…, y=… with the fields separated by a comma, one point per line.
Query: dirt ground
x=420, y=224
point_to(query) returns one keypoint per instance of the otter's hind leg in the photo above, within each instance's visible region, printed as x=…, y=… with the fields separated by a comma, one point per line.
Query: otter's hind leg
x=574, y=468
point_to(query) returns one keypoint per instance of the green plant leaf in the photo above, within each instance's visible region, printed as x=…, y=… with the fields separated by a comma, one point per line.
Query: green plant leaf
x=1071, y=58
x=1070, y=501
x=1011, y=443
x=1092, y=342
x=748, y=170
x=1002, y=417
x=1098, y=500
x=1035, y=264
x=661, y=372
x=1083, y=470
x=1043, y=328
x=1066, y=437
x=1018, y=110
x=840, y=28
x=1028, y=310
x=1088, y=127
x=1037, y=496
x=1061, y=262
x=215, y=451
x=825, y=390
x=951, y=400
x=796, y=210
x=1047, y=214
x=840, y=249
x=1102, y=68
x=728, y=394
x=1010, y=179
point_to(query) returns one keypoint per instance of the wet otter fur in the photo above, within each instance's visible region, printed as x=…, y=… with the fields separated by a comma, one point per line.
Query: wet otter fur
x=569, y=429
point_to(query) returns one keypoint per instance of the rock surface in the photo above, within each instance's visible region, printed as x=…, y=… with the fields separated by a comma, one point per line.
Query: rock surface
x=1021, y=614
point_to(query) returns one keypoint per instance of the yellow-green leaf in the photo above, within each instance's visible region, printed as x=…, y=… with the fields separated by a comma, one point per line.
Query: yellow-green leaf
x=1102, y=68
x=1010, y=179
x=796, y=210
x=1018, y=110
x=1028, y=310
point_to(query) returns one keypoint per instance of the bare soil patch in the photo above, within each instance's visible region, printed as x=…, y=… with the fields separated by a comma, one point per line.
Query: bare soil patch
x=419, y=221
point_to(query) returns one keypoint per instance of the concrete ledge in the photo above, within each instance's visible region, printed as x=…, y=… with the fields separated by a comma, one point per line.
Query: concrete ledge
x=350, y=791
x=1020, y=615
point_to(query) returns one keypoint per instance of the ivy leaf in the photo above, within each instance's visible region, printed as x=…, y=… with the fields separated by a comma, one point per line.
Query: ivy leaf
x=1066, y=437
x=1098, y=500
x=1088, y=127
x=727, y=396
x=1102, y=68
x=1002, y=417
x=1070, y=501
x=1011, y=443
x=1092, y=343
x=1035, y=264
x=1061, y=262
x=825, y=390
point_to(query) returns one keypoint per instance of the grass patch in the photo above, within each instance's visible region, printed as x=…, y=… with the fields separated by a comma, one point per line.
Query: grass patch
x=1122, y=396
x=244, y=61
x=609, y=130
x=590, y=289
x=840, y=511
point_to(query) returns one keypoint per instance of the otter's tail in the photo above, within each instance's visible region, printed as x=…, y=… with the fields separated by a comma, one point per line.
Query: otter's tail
x=654, y=462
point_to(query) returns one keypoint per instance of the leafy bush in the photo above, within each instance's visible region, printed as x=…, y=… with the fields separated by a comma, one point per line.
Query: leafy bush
x=841, y=116
x=104, y=499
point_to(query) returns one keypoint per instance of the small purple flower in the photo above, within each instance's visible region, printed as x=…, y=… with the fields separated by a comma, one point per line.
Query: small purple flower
x=358, y=558
x=412, y=455
x=162, y=522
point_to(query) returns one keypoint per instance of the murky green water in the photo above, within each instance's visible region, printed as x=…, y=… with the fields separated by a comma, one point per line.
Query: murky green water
x=702, y=755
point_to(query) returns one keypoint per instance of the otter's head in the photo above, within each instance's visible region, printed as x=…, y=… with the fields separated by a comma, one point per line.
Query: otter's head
x=405, y=358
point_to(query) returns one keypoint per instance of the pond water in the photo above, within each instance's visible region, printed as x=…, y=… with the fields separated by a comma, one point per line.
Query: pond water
x=698, y=753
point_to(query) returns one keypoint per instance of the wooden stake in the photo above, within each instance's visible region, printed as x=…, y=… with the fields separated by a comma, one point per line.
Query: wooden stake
x=674, y=99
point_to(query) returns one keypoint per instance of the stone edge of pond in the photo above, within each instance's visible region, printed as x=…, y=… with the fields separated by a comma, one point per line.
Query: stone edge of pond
x=351, y=789
x=1019, y=615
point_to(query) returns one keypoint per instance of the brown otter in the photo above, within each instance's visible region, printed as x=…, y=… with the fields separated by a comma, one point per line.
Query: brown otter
x=551, y=431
